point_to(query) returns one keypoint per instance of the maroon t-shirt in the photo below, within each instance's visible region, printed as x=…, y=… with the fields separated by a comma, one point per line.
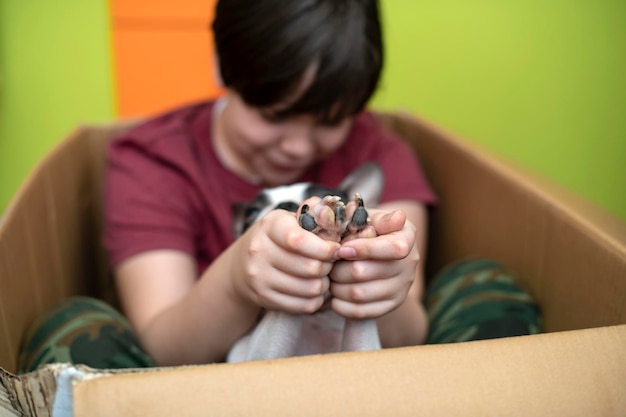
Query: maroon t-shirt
x=166, y=189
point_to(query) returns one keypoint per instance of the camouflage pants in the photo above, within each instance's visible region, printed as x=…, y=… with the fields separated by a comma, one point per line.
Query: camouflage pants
x=470, y=300
x=479, y=299
x=82, y=330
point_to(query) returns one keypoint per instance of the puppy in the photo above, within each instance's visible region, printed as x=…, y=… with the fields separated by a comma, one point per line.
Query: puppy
x=281, y=334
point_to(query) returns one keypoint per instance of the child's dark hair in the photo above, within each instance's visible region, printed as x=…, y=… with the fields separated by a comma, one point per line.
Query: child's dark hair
x=265, y=47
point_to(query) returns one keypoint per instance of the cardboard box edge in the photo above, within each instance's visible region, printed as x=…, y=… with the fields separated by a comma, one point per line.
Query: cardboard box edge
x=479, y=378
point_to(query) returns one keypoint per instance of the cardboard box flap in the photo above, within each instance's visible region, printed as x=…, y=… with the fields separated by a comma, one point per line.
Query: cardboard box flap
x=570, y=254
x=29, y=395
x=50, y=233
x=578, y=373
x=426, y=137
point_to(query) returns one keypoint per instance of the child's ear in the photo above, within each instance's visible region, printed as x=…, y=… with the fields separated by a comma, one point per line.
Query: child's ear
x=367, y=180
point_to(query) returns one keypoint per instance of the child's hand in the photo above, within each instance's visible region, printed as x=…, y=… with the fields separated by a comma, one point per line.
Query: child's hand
x=281, y=266
x=376, y=273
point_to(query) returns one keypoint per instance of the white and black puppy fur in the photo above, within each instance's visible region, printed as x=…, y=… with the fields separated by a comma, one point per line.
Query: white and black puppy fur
x=280, y=334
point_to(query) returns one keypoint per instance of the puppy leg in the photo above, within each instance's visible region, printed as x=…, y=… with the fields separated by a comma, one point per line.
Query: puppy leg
x=332, y=220
x=360, y=335
x=276, y=336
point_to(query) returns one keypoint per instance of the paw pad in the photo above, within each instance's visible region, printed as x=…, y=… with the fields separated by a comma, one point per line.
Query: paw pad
x=332, y=218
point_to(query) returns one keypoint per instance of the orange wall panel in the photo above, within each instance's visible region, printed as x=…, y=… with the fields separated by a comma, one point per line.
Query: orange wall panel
x=163, y=54
x=168, y=9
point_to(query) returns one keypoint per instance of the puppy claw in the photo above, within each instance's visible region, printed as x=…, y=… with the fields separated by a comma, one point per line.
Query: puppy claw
x=360, y=218
x=306, y=221
x=340, y=214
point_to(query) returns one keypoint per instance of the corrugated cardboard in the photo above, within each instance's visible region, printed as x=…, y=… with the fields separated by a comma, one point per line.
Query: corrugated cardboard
x=571, y=255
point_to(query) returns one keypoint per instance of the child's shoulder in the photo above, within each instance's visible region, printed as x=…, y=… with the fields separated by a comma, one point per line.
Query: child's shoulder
x=169, y=125
x=166, y=140
x=367, y=128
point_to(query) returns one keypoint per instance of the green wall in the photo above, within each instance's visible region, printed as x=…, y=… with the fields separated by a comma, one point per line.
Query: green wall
x=55, y=73
x=540, y=82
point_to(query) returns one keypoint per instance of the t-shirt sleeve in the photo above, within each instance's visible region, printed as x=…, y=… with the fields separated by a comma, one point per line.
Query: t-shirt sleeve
x=404, y=176
x=145, y=204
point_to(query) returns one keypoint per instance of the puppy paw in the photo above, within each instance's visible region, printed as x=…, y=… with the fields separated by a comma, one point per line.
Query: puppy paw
x=331, y=219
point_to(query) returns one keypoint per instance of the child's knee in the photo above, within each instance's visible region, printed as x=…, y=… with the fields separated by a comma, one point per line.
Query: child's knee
x=479, y=299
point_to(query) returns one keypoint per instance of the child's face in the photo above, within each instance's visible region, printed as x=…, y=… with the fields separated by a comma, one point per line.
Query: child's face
x=273, y=152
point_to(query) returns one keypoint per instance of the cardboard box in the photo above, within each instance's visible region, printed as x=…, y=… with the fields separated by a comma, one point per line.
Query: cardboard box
x=571, y=254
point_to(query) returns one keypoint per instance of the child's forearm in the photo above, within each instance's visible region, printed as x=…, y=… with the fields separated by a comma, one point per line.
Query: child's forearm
x=201, y=327
x=408, y=324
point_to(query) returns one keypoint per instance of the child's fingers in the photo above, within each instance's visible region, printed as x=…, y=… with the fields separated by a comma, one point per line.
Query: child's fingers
x=362, y=311
x=394, y=246
x=301, y=287
x=369, y=291
x=386, y=223
x=292, y=304
x=283, y=229
x=362, y=271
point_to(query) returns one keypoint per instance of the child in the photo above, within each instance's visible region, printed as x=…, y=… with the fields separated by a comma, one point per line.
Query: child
x=297, y=75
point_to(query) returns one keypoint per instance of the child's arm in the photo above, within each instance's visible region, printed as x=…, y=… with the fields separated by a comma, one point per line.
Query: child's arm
x=182, y=320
